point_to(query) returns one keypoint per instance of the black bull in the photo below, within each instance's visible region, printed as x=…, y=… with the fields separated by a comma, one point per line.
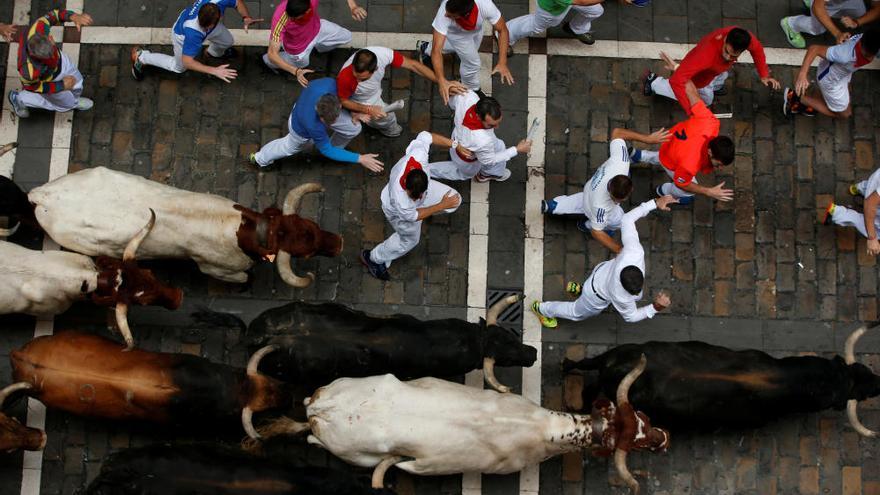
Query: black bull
x=695, y=384
x=214, y=470
x=315, y=344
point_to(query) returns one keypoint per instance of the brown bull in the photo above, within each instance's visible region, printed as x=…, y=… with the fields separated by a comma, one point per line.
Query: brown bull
x=13, y=434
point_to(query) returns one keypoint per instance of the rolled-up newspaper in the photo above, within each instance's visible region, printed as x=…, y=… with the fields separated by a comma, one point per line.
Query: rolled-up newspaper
x=723, y=115
x=533, y=129
x=392, y=107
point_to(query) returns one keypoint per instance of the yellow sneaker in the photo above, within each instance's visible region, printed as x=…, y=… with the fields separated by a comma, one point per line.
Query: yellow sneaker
x=545, y=321
x=573, y=288
x=854, y=190
x=828, y=213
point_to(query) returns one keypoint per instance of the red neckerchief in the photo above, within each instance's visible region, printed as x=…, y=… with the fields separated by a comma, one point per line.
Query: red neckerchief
x=471, y=120
x=305, y=18
x=411, y=165
x=861, y=59
x=469, y=22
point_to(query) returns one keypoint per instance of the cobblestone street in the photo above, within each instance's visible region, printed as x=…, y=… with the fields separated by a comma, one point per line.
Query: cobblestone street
x=759, y=272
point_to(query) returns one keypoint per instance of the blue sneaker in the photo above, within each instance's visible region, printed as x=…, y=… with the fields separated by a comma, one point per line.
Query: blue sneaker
x=583, y=226
x=548, y=207
x=378, y=270
x=658, y=193
x=20, y=110
x=684, y=200
x=635, y=155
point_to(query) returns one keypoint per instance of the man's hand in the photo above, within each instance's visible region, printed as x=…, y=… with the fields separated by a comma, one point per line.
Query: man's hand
x=357, y=13
x=718, y=192
x=370, y=162
x=660, y=136
x=7, y=31
x=801, y=85
x=506, y=76
x=69, y=82
x=376, y=112
x=224, y=73
x=663, y=202
x=450, y=200
x=301, y=77
x=670, y=64
x=457, y=88
x=524, y=146
x=770, y=82
x=843, y=36
x=81, y=20
x=849, y=22
x=247, y=21
x=360, y=117
x=873, y=247
x=464, y=152
x=662, y=301
x=445, y=87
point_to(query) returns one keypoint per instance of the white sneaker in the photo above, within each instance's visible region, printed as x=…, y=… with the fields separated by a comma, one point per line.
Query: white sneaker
x=395, y=131
x=84, y=103
x=480, y=177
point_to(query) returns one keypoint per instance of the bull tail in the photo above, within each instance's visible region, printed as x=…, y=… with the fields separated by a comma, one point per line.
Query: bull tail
x=204, y=317
x=584, y=364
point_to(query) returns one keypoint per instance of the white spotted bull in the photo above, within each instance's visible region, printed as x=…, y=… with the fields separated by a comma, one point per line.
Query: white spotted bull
x=434, y=427
x=95, y=211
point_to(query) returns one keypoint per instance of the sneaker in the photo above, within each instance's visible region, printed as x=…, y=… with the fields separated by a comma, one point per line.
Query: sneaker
x=720, y=91
x=649, y=78
x=394, y=131
x=377, y=270
x=265, y=64
x=83, y=103
x=795, y=38
x=798, y=108
x=635, y=155
x=658, y=193
x=395, y=106
x=582, y=225
x=585, y=38
x=480, y=93
x=137, y=68
x=548, y=207
x=684, y=201
x=20, y=110
x=573, y=288
x=422, y=50
x=828, y=213
x=854, y=190
x=788, y=98
x=230, y=52
x=545, y=321
x=480, y=177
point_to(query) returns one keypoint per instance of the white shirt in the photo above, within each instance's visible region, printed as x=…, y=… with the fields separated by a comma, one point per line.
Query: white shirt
x=446, y=26
x=597, y=199
x=480, y=141
x=606, y=275
x=839, y=63
x=394, y=196
x=366, y=90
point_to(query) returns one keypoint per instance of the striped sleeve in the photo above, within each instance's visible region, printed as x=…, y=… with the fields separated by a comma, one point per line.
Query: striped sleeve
x=278, y=28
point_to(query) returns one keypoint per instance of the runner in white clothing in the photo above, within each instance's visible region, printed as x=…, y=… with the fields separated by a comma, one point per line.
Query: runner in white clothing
x=476, y=152
x=852, y=14
x=833, y=75
x=551, y=13
x=603, y=193
x=868, y=224
x=410, y=197
x=618, y=281
x=458, y=28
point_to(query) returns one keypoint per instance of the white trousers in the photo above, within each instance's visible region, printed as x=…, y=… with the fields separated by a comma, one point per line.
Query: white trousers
x=661, y=87
x=61, y=101
x=348, y=129
x=810, y=25
x=406, y=233
x=218, y=41
x=458, y=169
x=539, y=22
x=653, y=157
x=573, y=204
x=330, y=36
x=586, y=305
x=847, y=217
x=293, y=143
x=466, y=47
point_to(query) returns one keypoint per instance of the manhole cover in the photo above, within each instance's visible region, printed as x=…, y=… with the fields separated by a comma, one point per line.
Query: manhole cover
x=513, y=314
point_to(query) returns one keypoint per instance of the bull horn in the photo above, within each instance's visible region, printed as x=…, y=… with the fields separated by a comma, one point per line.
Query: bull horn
x=852, y=412
x=489, y=375
x=285, y=269
x=628, y=380
x=850, y=345
x=9, y=232
x=247, y=422
x=6, y=148
x=254, y=362
x=135, y=242
x=122, y=323
x=291, y=202
x=11, y=389
x=378, y=480
x=497, y=308
x=623, y=470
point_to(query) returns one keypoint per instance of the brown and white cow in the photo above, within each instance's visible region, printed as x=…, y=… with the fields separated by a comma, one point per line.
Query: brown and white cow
x=44, y=283
x=95, y=211
x=434, y=427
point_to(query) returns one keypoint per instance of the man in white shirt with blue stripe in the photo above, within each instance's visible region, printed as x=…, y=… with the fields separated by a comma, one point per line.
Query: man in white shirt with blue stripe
x=617, y=282
x=203, y=21
x=603, y=193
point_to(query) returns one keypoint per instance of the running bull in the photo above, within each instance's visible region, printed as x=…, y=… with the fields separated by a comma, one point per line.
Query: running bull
x=86, y=375
x=694, y=384
x=95, y=211
x=434, y=427
x=314, y=344
x=217, y=470
x=48, y=282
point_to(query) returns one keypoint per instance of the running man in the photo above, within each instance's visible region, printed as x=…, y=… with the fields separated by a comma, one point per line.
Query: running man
x=868, y=223
x=852, y=14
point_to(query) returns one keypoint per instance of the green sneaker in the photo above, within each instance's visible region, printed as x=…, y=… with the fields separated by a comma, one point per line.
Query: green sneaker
x=545, y=321
x=573, y=288
x=795, y=38
x=854, y=190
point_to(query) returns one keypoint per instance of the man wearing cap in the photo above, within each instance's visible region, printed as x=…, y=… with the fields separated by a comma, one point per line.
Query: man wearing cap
x=410, y=197
x=49, y=79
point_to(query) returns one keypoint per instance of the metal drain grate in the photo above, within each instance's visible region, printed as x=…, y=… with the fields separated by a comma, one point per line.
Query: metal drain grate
x=513, y=315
